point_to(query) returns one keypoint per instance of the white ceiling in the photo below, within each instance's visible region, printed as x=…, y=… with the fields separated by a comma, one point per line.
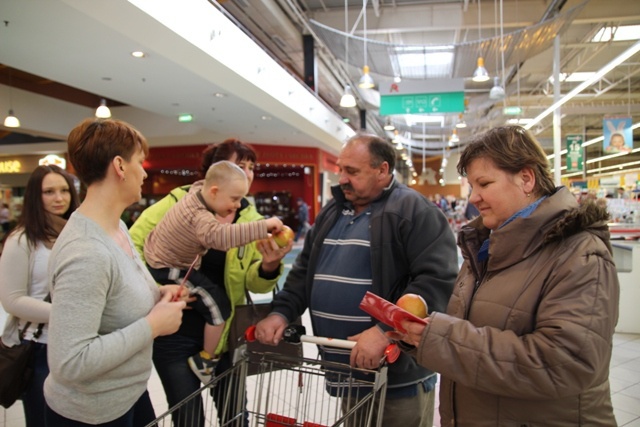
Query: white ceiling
x=87, y=45
x=81, y=42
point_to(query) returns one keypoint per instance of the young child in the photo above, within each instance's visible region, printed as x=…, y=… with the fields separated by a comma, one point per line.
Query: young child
x=187, y=231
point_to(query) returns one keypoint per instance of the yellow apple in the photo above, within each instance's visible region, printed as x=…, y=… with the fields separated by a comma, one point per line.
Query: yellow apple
x=283, y=236
x=414, y=304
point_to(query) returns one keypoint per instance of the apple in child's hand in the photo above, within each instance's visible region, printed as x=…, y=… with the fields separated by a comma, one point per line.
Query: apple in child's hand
x=414, y=304
x=283, y=236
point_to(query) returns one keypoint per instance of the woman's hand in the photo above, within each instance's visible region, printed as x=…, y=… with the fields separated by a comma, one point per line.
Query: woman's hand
x=272, y=254
x=177, y=294
x=165, y=317
x=413, y=332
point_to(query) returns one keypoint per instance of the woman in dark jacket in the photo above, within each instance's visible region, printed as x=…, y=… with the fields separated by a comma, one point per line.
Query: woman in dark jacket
x=527, y=337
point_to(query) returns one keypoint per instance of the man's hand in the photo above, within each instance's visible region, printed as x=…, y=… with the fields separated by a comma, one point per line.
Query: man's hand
x=269, y=330
x=369, y=350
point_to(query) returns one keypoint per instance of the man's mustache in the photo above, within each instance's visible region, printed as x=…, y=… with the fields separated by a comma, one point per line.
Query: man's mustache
x=346, y=187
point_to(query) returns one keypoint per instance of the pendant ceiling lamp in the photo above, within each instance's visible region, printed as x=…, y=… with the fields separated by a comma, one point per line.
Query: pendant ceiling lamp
x=366, y=81
x=103, y=112
x=347, y=100
x=388, y=125
x=11, y=121
x=480, y=74
x=461, y=123
x=497, y=91
x=454, y=139
x=423, y=172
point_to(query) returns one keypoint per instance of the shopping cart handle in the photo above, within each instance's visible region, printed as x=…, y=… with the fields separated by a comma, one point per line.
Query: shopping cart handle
x=293, y=333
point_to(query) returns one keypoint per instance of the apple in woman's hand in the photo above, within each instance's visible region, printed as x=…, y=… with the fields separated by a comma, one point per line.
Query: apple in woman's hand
x=414, y=304
x=283, y=236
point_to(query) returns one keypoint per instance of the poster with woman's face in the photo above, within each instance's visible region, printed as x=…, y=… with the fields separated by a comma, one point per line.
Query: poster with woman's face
x=618, y=135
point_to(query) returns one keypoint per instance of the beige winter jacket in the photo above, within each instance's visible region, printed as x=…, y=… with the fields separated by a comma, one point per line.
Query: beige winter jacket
x=531, y=346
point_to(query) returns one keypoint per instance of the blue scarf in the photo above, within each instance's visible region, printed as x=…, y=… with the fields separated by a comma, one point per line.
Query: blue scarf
x=483, y=253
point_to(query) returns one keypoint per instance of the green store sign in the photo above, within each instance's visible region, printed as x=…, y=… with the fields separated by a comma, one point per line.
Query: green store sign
x=424, y=103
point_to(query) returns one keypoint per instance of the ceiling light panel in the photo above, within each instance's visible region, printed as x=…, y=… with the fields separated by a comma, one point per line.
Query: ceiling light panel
x=621, y=33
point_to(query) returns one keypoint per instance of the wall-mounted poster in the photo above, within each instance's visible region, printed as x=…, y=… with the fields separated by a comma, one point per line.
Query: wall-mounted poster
x=618, y=135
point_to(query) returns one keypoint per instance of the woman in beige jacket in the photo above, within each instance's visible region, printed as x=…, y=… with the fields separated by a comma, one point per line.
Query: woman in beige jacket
x=527, y=337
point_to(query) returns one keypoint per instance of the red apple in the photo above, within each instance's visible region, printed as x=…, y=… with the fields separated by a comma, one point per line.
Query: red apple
x=283, y=236
x=414, y=304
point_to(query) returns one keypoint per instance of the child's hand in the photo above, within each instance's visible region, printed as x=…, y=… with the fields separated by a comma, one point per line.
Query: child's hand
x=274, y=224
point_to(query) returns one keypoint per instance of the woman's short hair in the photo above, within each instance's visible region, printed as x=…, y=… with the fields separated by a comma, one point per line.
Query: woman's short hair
x=34, y=219
x=223, y=151
x=94, y=143
x=511, y=149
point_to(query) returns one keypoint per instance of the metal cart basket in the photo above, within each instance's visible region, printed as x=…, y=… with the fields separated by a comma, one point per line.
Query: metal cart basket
x=286, y=392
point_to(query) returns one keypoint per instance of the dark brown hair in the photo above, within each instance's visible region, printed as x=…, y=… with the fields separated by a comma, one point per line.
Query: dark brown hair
x=511, y=149
x=379, y=149
x=94, y=143
x=223, y=151
x=34, y=219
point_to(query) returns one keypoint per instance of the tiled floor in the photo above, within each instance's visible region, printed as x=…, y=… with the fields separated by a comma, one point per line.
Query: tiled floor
x=624, y=378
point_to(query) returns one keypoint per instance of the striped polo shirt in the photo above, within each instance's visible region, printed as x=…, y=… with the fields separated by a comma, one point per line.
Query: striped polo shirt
x=342, y=277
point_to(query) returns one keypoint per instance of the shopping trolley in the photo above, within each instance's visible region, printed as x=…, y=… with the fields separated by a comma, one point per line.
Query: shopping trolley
x=287, y=391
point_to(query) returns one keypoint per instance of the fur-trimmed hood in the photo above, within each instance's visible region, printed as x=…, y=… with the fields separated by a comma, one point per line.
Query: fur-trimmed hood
x=557, y=218
x=588, y=216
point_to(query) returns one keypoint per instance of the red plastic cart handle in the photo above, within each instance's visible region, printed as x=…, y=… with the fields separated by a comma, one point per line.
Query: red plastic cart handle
x=250, y=333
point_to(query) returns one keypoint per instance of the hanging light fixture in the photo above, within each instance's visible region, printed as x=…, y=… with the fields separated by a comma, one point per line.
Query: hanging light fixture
x=103, y=112
x=497, y=91
x=423, y=172
x=388, y=125
x=11, y=121
x=480, y=74
x=347, y=100
x=454, y=139
x=366, y=81
x=461, y=123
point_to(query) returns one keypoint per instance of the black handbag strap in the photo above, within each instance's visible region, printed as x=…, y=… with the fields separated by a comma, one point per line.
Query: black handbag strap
x=250, y=301
x=38, y=331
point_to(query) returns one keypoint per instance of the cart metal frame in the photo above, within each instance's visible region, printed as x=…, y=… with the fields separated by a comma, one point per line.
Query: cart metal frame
x=287, y=392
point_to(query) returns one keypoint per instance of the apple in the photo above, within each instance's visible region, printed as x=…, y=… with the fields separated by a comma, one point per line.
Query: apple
x=283, y=236
x=414, y=304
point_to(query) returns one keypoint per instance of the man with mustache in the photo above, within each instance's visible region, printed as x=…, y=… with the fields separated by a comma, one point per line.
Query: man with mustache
x=376, y=235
